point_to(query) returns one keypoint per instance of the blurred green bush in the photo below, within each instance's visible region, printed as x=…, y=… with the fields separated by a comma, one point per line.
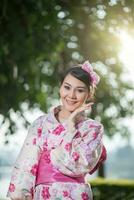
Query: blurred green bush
x=106, y=189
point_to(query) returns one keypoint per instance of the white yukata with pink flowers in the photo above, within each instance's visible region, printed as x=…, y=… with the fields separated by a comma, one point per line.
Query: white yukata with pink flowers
x=73, y=154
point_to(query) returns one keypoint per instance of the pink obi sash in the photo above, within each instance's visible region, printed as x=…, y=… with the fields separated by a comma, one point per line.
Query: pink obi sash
x=48, y=174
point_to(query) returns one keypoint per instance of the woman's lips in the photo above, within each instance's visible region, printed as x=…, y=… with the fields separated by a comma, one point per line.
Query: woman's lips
x=70, y=102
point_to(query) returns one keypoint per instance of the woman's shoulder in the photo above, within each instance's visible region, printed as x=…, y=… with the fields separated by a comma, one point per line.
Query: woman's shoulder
x=39, y=121
x=92, y=122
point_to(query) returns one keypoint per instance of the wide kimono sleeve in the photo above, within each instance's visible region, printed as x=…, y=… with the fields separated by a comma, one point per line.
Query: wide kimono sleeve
x=24, y=172
x=80, y=150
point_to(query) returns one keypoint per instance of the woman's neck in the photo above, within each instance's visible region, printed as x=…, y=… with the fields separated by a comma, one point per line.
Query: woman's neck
x=63, y=115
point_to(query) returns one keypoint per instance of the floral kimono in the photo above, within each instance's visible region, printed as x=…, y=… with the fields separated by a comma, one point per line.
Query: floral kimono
x=53, y=161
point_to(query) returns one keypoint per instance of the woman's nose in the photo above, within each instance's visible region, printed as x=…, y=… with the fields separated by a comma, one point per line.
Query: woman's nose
x=72, y=94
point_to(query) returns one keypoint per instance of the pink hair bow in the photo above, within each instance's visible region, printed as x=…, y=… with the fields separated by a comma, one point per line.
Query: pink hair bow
x=86, y=66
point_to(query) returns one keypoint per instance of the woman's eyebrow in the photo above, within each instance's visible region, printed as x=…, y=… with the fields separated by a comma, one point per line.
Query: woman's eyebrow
x=67, y=83
x=82, y=87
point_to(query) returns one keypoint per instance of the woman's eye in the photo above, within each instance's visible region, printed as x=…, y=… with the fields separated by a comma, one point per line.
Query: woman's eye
x=66, y=87
x=80, y=91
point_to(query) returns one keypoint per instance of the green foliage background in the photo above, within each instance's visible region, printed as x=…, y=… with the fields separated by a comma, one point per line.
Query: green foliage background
x=104, y=189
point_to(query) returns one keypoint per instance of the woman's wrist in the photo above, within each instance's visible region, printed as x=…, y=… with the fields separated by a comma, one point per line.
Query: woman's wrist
x=27, y=194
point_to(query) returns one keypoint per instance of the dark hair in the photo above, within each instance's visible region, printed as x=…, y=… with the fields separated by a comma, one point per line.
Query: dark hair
x=78, y=73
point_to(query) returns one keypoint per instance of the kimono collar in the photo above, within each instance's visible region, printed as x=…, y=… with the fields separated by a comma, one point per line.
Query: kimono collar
x=54, y=121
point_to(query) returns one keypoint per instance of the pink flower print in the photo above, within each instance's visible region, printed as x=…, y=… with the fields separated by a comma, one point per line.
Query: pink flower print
x=32, y=191
x=84, y=196
x=94, y=135
x=65, y=193
x=68, y=146
x=34, y=141
x=78, y=134
x=58, y=130
x=34, y=169
x=39, y=132
x=45, y=144
x=61, y=141
x=45, y=193
x=44, y=149
x=12, y=187
x=91, y=125
x=46, y=157
x=86, y=66
x=75, y=156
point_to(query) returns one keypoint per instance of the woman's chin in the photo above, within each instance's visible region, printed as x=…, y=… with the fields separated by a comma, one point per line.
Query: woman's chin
x=70, y=108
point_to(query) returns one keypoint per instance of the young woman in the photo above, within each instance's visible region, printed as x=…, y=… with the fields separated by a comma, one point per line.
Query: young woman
x=61, y=146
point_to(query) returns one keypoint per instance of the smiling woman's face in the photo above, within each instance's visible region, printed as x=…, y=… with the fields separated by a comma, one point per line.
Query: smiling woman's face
x=73, y=93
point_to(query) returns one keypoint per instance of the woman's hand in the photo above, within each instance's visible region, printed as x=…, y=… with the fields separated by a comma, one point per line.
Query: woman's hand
x=80, y=110
x=75, y=114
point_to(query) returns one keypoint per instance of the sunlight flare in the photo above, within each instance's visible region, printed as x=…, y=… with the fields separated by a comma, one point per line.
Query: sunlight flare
x=126, y=54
